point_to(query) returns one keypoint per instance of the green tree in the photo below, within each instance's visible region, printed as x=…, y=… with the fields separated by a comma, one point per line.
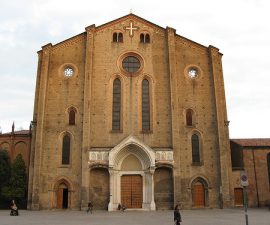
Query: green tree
x=18, y=181
x=5, y=169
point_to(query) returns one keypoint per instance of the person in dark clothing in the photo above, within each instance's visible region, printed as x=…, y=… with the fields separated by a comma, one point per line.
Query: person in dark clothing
x=90, y=207
x=14, y=209
x=121, y=207
x=177, y=215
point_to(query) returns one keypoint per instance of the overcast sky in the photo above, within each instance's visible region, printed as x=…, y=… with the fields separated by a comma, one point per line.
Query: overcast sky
x=239, y=28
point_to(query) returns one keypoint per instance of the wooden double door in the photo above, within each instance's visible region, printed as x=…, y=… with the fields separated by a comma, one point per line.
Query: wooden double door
x=131, y=191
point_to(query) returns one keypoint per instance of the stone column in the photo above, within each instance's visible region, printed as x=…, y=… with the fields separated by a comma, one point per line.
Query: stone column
x=113, y=190
x=152, y=204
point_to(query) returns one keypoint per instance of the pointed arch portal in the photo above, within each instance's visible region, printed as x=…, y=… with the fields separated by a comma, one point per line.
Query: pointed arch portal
x=132, y=183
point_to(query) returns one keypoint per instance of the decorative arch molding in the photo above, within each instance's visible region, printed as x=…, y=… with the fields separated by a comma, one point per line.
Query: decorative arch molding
x=199, y=192
x=63, y=133
x=119, y=76
x=71, y=107
x=21, y=147
x=146, y=156
x=97, y=165
x=5, y=144
x=164, y=165
x=62, y=191
x=200, y=178
x=62, y=179
x=146, y=76
x=195, y=131
x=132, y=145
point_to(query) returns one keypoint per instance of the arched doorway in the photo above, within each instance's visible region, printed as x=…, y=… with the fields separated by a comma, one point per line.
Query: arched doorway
x=133, y=163
x=62, y=196
x=199, y=193
x=131, y=183
x=163, y=191
x=99, y=188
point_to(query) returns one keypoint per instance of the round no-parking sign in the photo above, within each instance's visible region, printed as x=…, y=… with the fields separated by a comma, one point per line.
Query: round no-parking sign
x=244, y=178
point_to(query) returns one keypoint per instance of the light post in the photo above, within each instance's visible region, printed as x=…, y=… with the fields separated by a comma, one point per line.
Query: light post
x=244, y=183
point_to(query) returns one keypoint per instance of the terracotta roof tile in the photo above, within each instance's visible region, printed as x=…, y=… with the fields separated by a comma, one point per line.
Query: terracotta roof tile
x=253, y=142
x=18, y=132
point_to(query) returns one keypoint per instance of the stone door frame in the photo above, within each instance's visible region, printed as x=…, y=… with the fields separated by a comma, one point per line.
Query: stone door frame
x=146, y=155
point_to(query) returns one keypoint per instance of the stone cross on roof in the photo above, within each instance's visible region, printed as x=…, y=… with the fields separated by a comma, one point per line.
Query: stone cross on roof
x=131, y=28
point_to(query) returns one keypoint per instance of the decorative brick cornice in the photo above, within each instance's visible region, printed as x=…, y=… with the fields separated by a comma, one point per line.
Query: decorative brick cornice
x=69, y=42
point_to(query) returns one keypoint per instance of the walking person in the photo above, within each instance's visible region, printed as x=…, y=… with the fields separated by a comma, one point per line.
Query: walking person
x=90, y=207
x=177, y=215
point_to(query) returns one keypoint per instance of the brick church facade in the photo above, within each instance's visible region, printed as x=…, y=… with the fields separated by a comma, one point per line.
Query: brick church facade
x=130, y=112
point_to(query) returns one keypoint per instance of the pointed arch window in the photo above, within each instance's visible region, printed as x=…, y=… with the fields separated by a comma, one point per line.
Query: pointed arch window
x=268, y=165
x=72, y=116
x=66, y=150
x=116, y=117
x=145, y=106
x=189, y=117
x=195, y=142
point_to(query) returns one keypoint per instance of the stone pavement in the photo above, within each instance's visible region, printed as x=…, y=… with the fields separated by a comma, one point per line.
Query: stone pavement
x=190, y=217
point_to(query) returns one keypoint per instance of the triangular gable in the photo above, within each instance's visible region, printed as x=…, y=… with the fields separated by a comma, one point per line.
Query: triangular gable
x=130, y=16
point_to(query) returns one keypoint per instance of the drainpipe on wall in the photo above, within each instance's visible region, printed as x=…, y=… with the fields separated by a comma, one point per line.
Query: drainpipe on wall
x=255, y=175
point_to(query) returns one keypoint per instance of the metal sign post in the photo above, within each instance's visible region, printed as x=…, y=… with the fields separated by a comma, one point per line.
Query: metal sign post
x=244, y=183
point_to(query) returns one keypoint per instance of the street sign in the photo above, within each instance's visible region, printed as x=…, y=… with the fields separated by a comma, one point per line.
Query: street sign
x=244, y=178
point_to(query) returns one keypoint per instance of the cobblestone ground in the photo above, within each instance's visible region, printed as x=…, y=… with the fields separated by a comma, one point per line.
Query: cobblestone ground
x=190, y=217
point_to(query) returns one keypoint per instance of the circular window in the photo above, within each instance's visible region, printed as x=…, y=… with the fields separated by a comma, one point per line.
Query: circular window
x=131, y=64
x=68, y=72
x=193, y=73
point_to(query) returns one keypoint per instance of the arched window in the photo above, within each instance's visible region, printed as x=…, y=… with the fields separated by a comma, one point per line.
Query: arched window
x=189, y=121
x=147, y=38
x=116, y=105
x=145, y=106
x=268, y=165
x=195, y=142
x=142, y=38
x=72, y=114
x=117, y=37
x=120, y=37
x=114, y=37
x=66, y=150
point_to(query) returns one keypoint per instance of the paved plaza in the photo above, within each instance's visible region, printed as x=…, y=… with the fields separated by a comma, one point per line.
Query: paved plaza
x=190, y=217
